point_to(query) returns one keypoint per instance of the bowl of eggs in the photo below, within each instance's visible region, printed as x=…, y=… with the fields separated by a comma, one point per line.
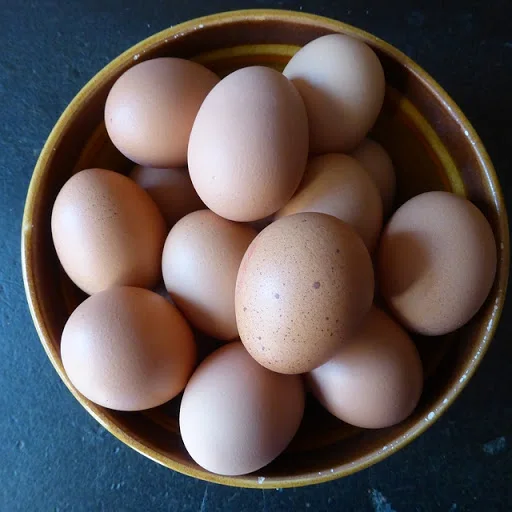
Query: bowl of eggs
x=264, y=249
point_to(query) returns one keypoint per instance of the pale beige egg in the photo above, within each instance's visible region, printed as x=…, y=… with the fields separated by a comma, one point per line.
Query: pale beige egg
x=237, y=416
x=249, y=144
x=436, y=262
x=107, y=232
x=128, y=349
x=341, y=81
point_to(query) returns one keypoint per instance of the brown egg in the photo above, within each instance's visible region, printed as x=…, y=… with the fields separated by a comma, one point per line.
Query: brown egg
x=107, y=231
x=375, y=160
x=341, y=81
x=151, y=108
x=170, y=189
x=436, y=262
x=375, y=379
x=303, y=287
x=200, y=263
x=337, y=184
x=236, y=416
x=249, y=144
x=128, y=349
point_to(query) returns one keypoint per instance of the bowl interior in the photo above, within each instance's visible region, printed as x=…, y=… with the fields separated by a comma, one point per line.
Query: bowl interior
x=433, y=148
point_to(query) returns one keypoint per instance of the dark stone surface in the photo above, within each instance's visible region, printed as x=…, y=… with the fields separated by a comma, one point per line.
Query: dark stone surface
x=53, y=455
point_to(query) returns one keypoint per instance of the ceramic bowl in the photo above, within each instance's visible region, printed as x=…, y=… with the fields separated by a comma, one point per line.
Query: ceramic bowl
x=433, y=146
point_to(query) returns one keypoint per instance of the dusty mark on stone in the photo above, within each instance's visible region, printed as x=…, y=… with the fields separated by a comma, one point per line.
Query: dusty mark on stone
x=495, y=446
x=379, y=501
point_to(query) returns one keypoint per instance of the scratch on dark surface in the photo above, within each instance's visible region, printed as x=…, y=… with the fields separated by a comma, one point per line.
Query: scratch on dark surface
x=264, y=501
x=6, y=303
x=233, y=496
x=203, y=501
x=379, y=501
x=453, y=508
x=495, y=446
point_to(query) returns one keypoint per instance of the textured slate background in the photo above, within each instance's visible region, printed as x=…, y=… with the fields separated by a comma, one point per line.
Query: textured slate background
x=53, y=456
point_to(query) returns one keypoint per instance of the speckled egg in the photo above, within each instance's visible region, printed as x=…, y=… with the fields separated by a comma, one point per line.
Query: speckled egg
x=304, y=285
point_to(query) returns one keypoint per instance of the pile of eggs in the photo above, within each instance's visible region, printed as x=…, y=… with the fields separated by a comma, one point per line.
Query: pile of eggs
x=275, y=235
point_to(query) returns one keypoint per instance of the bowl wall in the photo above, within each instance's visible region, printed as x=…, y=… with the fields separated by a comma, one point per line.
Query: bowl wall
x=433, y=147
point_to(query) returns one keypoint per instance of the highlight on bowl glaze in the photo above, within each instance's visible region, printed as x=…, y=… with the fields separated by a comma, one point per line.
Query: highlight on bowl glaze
x=433, y=147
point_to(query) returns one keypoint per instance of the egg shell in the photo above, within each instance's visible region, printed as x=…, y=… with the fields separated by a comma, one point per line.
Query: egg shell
x=342, y=83
x=375, y=379
x=128, y=349
x=436, y=262
x=200, y=262
x=151, y=107
x=304, y=285
x=249, y=144
x=107, y=231
x=170, y=189
x=237, y=416
x=377, y=163
x=338, y=185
